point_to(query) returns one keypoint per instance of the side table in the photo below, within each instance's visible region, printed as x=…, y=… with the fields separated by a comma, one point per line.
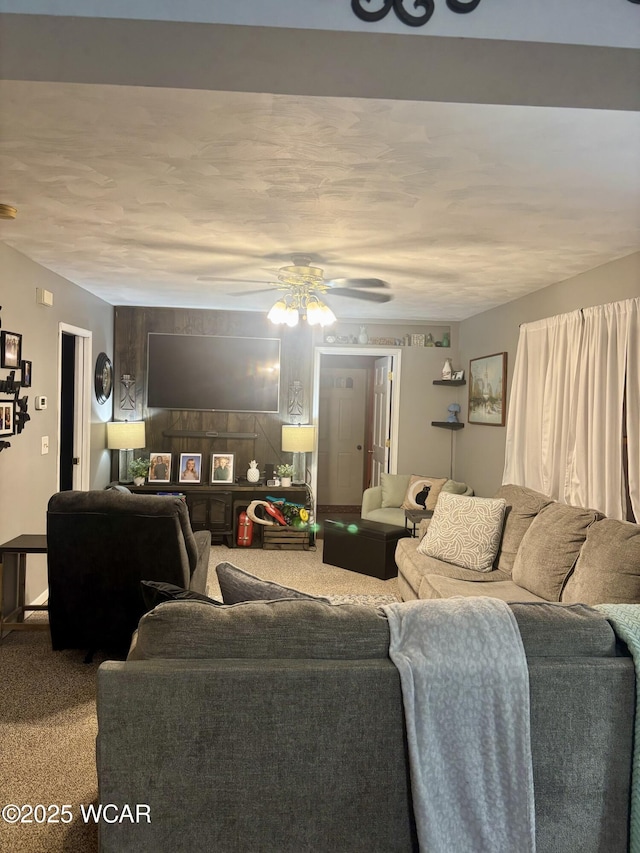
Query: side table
x=27, y=543
x=414, y=517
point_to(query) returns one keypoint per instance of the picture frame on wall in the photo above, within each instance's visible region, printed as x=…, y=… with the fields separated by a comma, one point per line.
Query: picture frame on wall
x=222, y=467
x=190, y=468
x=10, y=349
x=25, y=367
x=160, y=467
x=7, y=416
x=487, y=387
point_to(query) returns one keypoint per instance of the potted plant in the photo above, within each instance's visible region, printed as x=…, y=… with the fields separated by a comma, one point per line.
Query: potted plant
x=139, y=468
x=285, y=472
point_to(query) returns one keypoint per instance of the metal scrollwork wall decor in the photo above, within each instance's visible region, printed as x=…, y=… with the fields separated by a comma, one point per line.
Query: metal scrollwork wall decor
x=410, y=16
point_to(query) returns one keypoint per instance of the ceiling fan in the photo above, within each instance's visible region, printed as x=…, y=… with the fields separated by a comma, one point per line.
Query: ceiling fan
x=302, y=284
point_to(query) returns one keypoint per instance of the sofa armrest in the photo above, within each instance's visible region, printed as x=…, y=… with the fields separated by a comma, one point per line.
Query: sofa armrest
x=200, y=576
x=371, y=499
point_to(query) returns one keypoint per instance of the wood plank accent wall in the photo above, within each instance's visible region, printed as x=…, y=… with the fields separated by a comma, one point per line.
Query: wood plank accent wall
x=132, y=326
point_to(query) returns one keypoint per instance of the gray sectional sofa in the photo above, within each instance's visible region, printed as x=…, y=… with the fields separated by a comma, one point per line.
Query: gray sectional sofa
x=278, y=727
x=548, y=552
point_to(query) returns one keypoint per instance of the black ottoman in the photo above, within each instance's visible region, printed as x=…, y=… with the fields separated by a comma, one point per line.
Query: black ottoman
x=362, y=546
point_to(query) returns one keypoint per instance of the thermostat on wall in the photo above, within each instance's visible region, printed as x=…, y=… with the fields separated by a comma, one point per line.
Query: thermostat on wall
x=41, y=403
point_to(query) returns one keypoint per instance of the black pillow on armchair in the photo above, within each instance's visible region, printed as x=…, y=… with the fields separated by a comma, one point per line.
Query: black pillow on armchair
x=157, y=592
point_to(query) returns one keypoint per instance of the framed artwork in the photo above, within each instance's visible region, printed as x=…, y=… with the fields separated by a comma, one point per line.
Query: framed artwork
x=190, y=468
x=222, y=465
x=459, y=374
x=10, y=349
x=160, y=468
x=25, y=366
x=487, y=385
x=7, y=417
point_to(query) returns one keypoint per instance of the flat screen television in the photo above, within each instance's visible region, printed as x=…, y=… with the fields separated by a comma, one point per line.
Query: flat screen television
x=213, y=373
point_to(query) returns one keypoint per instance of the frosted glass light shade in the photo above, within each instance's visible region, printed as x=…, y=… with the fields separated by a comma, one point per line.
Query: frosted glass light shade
x=297, y=438
x=125, y=435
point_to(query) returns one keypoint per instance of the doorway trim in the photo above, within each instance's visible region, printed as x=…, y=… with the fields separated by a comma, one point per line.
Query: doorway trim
x=376, y=352
x=82, y=404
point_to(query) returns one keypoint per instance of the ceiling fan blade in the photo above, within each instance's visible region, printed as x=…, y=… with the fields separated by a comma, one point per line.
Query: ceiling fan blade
x=251, y=292
x=357, y=282
x=360, y=294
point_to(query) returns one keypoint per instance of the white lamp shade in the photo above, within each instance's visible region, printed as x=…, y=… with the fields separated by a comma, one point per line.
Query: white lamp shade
x=297, y=438
x=125, y=435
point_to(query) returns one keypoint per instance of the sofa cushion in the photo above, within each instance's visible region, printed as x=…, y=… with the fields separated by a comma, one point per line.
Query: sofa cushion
x=157, y=592
x=550, y=548
x=262, y=629
x=557, y=630
x=438, y=586
x=465, y=531
x=237, y=585
x=523, y=505
x=413, y=566
x=389, y=515
x=608, y=568
x=394, y=488
x=422, y=492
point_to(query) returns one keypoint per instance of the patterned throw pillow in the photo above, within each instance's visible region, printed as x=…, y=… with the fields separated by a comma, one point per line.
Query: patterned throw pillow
x=422, y=492
x=465, y=531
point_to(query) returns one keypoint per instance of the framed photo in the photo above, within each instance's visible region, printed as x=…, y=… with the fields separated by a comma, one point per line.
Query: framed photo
x=190, y=468
x=487, y=386
x=25, y=366
x=7, y=416
x=459, y=374
x=10, y=349
x=222, y=465
x=160, y=468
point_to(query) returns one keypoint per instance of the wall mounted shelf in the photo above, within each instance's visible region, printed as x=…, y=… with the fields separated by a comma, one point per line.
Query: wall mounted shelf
x=447, y=424
x=449, y=381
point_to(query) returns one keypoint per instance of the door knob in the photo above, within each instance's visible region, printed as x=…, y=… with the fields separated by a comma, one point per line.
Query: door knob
x=359, y=447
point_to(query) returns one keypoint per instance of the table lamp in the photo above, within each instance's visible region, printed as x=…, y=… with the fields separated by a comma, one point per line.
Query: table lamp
x=299, y=440
x=125, y=436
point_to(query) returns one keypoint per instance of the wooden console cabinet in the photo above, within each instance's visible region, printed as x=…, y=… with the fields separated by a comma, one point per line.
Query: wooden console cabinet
x=217, y=508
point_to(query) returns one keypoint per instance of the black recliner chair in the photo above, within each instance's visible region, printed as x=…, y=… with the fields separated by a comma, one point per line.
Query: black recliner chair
x=101, y=544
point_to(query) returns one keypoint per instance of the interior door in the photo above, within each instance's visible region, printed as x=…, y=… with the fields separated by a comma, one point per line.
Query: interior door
x=75, y=375
x=341, y=435
x=381, y=418
x=67, y=410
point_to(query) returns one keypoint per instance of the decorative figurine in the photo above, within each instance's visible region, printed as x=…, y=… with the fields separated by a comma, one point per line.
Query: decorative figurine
x=453, y=410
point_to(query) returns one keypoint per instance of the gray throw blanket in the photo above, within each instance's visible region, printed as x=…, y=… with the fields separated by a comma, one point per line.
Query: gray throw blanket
x=465, y=687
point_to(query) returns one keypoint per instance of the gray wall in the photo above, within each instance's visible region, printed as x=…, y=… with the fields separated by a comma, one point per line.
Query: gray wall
x=27, y=478
x=480, y=449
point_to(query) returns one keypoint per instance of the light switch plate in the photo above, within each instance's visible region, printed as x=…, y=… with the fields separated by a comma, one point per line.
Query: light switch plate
x=45, y=444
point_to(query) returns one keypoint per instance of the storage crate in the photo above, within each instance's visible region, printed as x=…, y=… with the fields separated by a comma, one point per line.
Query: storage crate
x=278, y=538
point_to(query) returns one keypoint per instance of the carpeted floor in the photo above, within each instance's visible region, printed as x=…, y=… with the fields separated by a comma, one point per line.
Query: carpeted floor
x=47, y=709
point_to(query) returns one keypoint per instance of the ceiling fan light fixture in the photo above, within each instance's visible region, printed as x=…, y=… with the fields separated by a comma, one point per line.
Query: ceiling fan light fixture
x=319, y=314
x=283, y=313
x=277, y=312
x=291, y=316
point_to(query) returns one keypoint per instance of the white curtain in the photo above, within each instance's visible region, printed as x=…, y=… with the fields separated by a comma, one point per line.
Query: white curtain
x=538, y=441
x=565, y=425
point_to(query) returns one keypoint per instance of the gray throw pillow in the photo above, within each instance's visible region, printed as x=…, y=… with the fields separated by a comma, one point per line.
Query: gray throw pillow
x=237, y=585
x=157, y=592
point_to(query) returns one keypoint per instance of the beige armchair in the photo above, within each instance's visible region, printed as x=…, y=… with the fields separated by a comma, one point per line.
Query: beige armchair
x=384, y=503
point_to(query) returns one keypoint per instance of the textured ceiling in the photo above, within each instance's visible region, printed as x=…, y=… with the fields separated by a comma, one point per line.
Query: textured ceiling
x=176, y=197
